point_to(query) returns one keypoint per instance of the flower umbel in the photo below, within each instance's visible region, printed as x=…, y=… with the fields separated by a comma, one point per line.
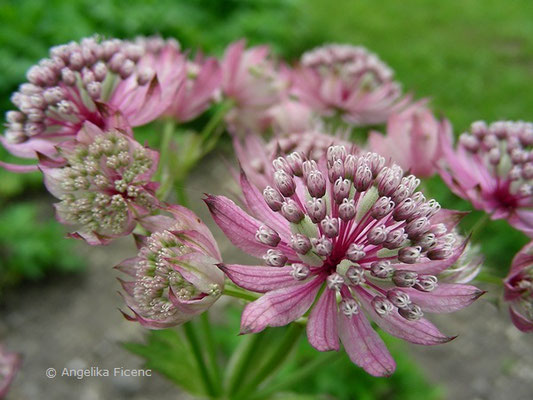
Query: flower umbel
x=356, y=229
x=348, y=80
x=103, y=182
x=519, y=289
x=174, y=276
x=492, y=167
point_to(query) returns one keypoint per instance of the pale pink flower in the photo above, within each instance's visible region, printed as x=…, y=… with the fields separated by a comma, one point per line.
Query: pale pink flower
x=255, y=156
x=175, y=275
x=412, y=139
x=9, y=365
x=492, y=167
x=519, y=289
x=110, y=83
x=251, y=81
x=201, y=84
x=357, y=229
x=104, y=183
x=290, y=116
x=349, y=81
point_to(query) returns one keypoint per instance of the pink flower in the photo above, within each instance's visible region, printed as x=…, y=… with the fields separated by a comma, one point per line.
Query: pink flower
x=348, y=80
x=202, y=81
x=110, y=83
x=492, y=168
x=251, y=81
x=290, y=116
x=412, y=139
x=175, y=276
x=9, y=365
x=519, y=289
x=255, y=156
x=104, y=183
x=357, y=229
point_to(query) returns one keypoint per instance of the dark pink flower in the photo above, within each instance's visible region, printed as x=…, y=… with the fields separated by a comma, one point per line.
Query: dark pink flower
x=110, y=83
x=354, y=232
x=104, y=183
x=519, y=289
x=350, y=81
x=175, y=275
x=9, y=365
x=412, y=139
x=492, y=167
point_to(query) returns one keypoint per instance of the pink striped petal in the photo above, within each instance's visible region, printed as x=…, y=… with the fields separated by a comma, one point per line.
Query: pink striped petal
x=418, y=332
x=259, y=278
x=445, y=298
x=322, y=325
x=279, y=307
x=240, y=228
x=364, y=346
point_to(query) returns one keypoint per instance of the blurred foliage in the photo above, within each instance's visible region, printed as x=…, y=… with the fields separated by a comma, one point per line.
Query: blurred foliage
x=339, y=379
x=32, y=247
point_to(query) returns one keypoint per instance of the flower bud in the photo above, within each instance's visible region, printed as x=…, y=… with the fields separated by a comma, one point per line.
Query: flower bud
x=275, y=258
x=267, y=236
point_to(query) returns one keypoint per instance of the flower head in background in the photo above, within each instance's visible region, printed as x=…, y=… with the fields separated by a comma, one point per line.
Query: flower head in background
x=250, y=79
x=201, y=85
x=519, y=289
x=255, y=156
x=358, y=230
x=290, y=116
x=110, y=83
x=348, y=80
x=492, y=167
x=104, y=183
x=9, y=365
x=412, y=139
x=175, y=275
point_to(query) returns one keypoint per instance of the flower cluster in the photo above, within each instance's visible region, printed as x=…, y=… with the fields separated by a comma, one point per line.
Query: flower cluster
x=492, y=167
x=110, y=83
x=104, y=183
x=174, y=277
x=9, y=365
x=519, y=289
x=349, y=81
x=356, y=233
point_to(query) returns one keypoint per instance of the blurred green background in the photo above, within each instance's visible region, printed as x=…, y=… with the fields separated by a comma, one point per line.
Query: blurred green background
x=473, y=58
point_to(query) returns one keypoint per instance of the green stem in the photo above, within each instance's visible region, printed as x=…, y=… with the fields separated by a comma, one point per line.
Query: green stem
x=181, y=193
x=163, y=173
x=240, y=363
x=215, y=120
x=488, y=278
x=191, y=336
x=296, y=377
x=239, y=293
x=478, y=226
x=211, y=352
x=276, y=359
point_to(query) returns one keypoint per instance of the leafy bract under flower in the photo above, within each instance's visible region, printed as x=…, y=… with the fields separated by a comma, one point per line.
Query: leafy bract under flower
x=519, y=289
x=492, y=167
x=356, y=229
x=104, y=183
x=110, y=83
x=175, y=275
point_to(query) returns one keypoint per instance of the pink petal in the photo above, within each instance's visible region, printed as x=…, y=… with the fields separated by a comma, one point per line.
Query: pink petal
x=418, y=332
x=445, y=298
x=450, y=218
x=364, y=346
x=279, y=307
x=240, y=228
x=19, y=169
x=259, y=279
x=521, y=322
x=322, y=325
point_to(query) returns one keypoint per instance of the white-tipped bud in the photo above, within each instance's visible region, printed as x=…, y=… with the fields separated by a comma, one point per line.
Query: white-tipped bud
x=267, y=236
x=349, y=307
x=291, y=211
x=300, y=271
x=347, y=210
x=426, y=283
x=382, y=306
x=316, y=183
x=301, y=243
x=399, y=298
x=381, y=269
x=284, y=183
x=355, y=252
x=330, y=226
x=316, y=209
x=323, y=246
x=377, y=234
x=355, y=275
x=341, y=190
x=409, y=255
x=404, y=278
x=335, y=281
x=275, y=258
x=412, y=312
x=273, y=198
x=382, y=207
